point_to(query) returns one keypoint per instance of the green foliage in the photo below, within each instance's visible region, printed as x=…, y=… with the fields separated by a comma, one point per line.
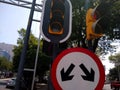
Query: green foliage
x=113, y=74
x=43, y=60
x=43, y=65
x=79, y=27
x=78, y=19
x=18, y=49
x=79, y=8
x=115, y=58
x=111, y=34
x=5, y=64
x=114, y=22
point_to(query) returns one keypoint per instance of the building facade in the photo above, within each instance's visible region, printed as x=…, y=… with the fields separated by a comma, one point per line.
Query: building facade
x=6, y=51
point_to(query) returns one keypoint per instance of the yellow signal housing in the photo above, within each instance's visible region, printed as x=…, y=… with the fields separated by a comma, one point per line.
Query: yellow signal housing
x=91, y=24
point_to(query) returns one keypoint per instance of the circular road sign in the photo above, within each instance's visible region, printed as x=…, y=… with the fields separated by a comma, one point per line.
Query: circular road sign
x=78, y=69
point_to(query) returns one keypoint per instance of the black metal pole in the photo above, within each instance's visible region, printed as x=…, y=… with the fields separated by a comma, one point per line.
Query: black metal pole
x=55, y=53
x=24, y=50
x=55, y=50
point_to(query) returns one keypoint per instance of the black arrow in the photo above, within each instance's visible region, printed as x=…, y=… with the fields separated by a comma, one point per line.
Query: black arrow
x=89, y=75
x=66, y=75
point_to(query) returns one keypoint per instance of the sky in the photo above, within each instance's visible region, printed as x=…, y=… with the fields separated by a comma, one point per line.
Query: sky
x=107, y=64
x=12, y=19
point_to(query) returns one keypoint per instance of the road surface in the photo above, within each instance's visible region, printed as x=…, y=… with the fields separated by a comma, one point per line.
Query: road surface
x=43, y=87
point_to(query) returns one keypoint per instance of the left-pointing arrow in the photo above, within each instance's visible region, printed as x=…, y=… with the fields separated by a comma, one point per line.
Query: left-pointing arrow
x=66, y=75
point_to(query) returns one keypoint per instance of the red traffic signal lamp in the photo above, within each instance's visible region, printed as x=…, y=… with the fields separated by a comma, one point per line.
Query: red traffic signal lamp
x=57, y=17
x=94, y=28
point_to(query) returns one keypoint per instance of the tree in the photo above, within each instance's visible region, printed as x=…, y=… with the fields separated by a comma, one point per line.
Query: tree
x=114, y=27
x=43, y=60
x=113, y=30
x=115, y=58
x=114, y=73
x=78, y=37
x=78, y=23
x=5, y=64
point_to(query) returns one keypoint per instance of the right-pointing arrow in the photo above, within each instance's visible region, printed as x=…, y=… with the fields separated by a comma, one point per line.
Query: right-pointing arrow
x=89, y=75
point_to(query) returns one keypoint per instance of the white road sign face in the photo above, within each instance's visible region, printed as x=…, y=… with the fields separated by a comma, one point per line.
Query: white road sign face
x=77, y=69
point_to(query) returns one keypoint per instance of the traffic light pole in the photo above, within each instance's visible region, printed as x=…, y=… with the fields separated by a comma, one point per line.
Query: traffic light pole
x=56, y=25
x=54, y=55
x=92, y=44
x=24, y=50
x=55, y=50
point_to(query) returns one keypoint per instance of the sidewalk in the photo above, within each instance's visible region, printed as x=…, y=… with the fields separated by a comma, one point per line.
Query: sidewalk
x=107, y=87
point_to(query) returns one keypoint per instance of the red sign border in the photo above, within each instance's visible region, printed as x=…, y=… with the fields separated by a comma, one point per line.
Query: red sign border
x=92, y=55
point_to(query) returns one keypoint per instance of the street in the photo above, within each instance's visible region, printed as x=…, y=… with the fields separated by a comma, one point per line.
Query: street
x=3, y=87
x=3, y=84
x=4, y=81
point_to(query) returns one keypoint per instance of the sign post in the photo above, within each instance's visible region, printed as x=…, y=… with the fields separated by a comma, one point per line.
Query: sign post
x=78, y=69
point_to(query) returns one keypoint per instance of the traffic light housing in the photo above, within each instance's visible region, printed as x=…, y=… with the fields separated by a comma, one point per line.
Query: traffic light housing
x=56, y=22
x=57, y=17
x=97, y=21
x=94, y=29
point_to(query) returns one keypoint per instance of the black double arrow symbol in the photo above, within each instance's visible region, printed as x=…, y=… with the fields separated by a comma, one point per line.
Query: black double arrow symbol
x=65, y=76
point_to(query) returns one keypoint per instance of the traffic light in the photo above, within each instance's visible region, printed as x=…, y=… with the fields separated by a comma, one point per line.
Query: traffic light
x=96, y=25
x=56, y=22
x=96, y=21
x=93, y=30
x=57, y=17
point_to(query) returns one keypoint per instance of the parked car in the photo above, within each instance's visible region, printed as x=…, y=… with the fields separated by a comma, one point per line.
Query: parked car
x=11, y=83
x=115, y=85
